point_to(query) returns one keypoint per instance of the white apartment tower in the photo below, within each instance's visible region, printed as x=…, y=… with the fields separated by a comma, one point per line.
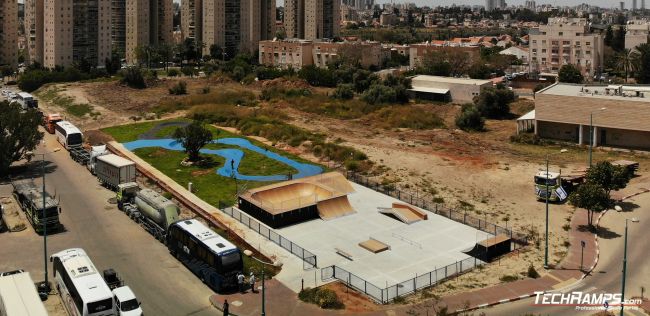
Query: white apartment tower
x=148, y=23
x=9, y=32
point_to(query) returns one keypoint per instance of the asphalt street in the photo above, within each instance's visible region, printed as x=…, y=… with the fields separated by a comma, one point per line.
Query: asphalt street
x=607, y=276
x=111, y=239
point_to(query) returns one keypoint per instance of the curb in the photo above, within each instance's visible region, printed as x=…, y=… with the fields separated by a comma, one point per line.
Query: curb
x=508, y=300
x=593, y=266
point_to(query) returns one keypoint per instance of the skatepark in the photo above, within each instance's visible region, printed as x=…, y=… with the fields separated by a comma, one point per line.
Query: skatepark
x=374, y=236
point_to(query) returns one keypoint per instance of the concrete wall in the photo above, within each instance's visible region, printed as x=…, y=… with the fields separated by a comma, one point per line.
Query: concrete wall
x=610, y=137
x=626, y=138
x=559, y=131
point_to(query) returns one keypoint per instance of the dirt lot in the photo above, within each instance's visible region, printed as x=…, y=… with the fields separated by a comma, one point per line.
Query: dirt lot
x=481, y=173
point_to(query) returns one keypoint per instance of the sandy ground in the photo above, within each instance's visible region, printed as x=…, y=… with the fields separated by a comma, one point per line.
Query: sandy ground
x=481, y=173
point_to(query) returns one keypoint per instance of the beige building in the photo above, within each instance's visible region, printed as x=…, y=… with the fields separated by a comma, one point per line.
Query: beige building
x=620, y=114
x=417, y=52
x=322, y=19
x=294, y=18
x=192, y=19
x=118, y=26
x=297, y=53
x=447, y=89
x=9, y=32
x=294, y=53
x=34, y=29
x=76, y=31
x=637, y=33
x=237, y=25
x=565, y=41
x=148, y=23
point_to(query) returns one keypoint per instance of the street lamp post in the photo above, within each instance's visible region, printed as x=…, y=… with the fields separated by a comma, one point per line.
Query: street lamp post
x=45, y=286
x=634, y=220
x=264, y=263
x=546, y=236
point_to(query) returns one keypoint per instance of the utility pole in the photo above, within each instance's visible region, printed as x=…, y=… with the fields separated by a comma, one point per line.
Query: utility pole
x=634, y=220
x=546, y=235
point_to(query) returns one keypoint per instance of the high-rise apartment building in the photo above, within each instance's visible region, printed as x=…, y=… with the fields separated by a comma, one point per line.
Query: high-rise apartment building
x=34, y=30
x=530, y=5
x=294, y=18
x=322, y=19
x=75, y=31
x=9, y=32
x=192, y=19
x=491, y=5
x=148, y=23
x=622, y=6
x=634, y=5
x=237, y=25
x=566, y=41
x=118, y=26
x=637, y=32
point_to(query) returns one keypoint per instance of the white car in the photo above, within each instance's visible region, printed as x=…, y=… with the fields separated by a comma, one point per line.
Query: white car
x=125, y=302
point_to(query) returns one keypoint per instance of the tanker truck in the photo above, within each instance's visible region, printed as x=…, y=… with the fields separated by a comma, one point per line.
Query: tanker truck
x=147, y=207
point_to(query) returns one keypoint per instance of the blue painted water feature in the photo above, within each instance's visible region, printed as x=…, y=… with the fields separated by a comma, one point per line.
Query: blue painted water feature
x=235, y=155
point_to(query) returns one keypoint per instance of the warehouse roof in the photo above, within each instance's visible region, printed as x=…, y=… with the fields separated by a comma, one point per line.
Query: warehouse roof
x=640, y=93
x=454, y=80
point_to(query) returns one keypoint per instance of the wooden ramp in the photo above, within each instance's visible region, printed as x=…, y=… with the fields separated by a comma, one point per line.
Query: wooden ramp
x=334, y=208
x=374, y=245
x=406, y=213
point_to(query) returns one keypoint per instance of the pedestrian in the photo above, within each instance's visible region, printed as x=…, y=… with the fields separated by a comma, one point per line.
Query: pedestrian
x=225, y=308
x=240, y=282
x=252, y=282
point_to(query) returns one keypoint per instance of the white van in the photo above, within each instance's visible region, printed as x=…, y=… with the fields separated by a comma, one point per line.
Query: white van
x=125, y=302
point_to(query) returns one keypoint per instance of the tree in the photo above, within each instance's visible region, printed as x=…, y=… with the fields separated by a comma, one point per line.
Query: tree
x=132, y=77
x=494, y=103
x=570, y=74
x=18, y=133
x=608, y=176
x=625, y=61
x=216, y=52
x=343, y=92
x=618, y=43
x=591, y=197
x=193, y=137
x=642, y=64
x=609, y=36
x=470, y=119
x=113, y=63
x=479, y=71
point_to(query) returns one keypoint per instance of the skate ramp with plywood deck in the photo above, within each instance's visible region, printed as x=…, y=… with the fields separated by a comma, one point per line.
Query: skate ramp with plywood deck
x=334, y=208
x=406, y=213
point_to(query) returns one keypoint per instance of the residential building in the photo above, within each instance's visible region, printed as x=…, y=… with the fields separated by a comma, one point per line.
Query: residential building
x=491, y=5
x=192, y=19
x=620, y=114
x=237, y=25
x=447, y=89
x=297, y=53
x=118, y=26
x=349, y=14
x=388, y=19
x=9, y=33
x=418, y=51
x=530, y=5
x=34, y=29
x=520, y=52
x=637, y=32
x=634, y=5
x=294, y=18
x=148, y=23
x=566, y=41
x=76, y=31
x=322, y=19
x=294, y=53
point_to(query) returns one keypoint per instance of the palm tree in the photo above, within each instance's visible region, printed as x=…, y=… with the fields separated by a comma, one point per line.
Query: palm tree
x=626, y=61
x=642, y=63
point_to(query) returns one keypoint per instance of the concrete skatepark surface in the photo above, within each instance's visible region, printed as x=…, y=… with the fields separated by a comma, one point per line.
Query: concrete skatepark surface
x=236, y=155
x=415, y=249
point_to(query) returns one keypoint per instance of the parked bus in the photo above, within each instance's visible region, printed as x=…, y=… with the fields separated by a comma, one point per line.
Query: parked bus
x=68, y=135
x=50, y=120
x=26, y=100
x=30, y=198
x=82, y=288
x=18, y=296
x=212, y=258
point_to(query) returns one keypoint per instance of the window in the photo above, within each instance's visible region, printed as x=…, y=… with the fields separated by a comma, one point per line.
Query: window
x=561, y=33
x=588, y=43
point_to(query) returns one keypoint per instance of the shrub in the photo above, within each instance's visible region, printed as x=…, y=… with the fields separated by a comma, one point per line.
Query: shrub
x=494, y=103
x=343, y=92
x=324, y=298
x=508, y=278
x=173, y=72
x=527, y=138
x=132, y=77
x=532, y=273
x=470, y=119
x=179, y=89
x=205, y=90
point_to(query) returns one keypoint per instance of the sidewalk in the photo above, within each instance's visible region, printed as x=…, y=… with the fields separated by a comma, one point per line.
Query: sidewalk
x=282, y=301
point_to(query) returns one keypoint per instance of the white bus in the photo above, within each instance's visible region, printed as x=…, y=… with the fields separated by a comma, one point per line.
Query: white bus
x=26, y=100
x=18, y=296
x=82, y=288
x=68, y=135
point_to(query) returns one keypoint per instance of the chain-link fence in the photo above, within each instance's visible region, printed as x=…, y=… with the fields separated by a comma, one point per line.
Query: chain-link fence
x=437, y=208
x=386, y=295
x=308, y=258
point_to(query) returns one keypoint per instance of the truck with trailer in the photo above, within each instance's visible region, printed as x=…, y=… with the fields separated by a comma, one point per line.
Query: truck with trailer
x=18, y=296
x=113, y=170
x=88, y=156
x=30, y=198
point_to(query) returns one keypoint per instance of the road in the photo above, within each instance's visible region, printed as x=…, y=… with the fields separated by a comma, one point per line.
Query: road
x=111, y=239
x=607, y=275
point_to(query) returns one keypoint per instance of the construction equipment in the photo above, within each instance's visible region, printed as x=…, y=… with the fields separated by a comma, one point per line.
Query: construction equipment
x=113, y=170
x=147, y=207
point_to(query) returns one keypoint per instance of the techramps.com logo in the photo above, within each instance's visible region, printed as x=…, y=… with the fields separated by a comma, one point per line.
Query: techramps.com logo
x=586, y=301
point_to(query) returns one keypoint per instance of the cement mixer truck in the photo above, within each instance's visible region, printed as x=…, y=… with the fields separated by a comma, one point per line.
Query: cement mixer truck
x=148, y=208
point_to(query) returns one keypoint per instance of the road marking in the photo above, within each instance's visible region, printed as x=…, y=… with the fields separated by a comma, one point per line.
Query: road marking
x=525, y=296
x=482, y=305
x=505, y=300
x=237, y=303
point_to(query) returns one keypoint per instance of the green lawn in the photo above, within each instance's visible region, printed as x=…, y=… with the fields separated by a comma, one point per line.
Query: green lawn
x=130, y=132
x=256, y=164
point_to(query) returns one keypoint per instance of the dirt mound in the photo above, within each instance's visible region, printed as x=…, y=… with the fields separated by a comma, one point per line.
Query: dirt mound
x=286, y=83
x=96, y=137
